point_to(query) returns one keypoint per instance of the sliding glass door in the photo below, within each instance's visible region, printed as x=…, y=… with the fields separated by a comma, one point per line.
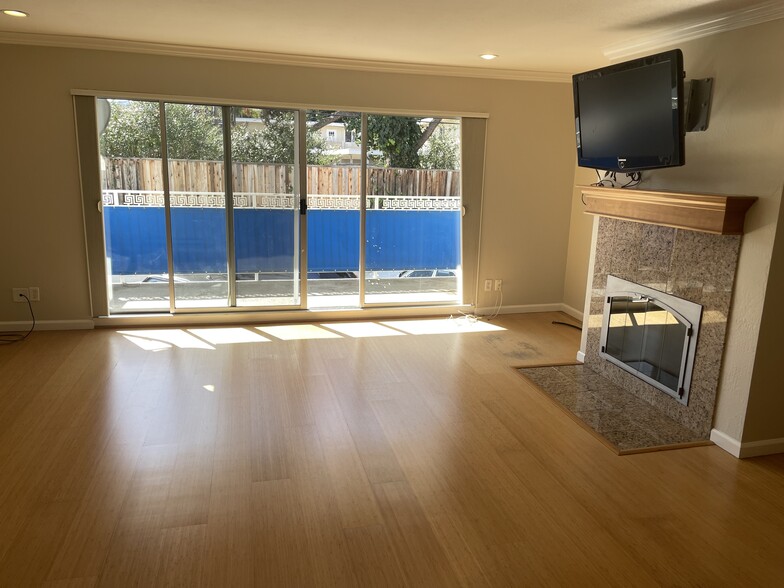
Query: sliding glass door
x=334, y=182
x=412, y=223
x=266, y=207
x=132, y=199
x=197, y=205
x=217, y=208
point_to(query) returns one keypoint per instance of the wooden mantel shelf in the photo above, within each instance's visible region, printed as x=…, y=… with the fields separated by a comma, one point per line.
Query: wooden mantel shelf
x=723, y=215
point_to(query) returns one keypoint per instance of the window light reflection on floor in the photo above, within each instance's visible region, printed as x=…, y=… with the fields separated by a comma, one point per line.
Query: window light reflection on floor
x=148, y=344
x=226, y=336
x=442, y=326
x=153, y=337
x=359, y=330
x=297, y=332
x=206, y=338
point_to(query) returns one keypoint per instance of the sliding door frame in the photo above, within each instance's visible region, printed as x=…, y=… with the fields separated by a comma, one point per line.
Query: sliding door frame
x=363, y=219
x=228, y=180
x=231, y=258
x=100, y=298
x=167, y=203
x=301, y=191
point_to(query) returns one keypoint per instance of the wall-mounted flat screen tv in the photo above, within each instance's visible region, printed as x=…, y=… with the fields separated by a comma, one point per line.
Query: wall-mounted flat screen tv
x=629, y=116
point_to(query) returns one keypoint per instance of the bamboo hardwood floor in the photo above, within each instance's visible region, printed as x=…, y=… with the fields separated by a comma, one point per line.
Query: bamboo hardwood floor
x=179, y=458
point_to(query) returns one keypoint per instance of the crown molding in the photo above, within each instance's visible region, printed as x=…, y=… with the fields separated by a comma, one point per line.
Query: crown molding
x=100, y=44
x=736, y=19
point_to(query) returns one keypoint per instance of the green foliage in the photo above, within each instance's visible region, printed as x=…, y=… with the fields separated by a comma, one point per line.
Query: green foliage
x=442, y=149
x=397, y=137
x=275, y=144
x=318, y=150
x=195, y=132
x=192, y=132
x=133, y=130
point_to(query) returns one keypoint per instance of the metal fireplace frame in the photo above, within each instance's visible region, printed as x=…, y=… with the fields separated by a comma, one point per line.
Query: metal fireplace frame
x=686, y=312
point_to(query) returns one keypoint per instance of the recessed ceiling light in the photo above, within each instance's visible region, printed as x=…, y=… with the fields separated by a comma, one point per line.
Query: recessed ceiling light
x=17, y=13
x=488, y=56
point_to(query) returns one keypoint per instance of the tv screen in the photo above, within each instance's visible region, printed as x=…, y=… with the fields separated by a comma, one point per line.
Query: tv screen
x=629, y=116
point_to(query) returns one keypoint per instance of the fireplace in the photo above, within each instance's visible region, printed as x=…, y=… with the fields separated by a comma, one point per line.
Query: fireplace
x=650, y=334
x=689, y=265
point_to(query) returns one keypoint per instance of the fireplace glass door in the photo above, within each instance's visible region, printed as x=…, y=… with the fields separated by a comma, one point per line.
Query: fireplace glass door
x=649, y=338
x=651, y=334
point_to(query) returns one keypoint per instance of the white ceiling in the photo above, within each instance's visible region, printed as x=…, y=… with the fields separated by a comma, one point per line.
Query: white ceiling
x=529, y=35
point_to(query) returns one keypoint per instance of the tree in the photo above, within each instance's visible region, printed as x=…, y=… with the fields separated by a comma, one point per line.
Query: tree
x=399, y=138
x=195, y=132
x=442, y=149
x=133, y=131
x=192, y=131
x=274, y=142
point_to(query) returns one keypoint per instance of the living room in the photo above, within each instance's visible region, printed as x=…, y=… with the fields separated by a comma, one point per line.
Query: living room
x=533, y=232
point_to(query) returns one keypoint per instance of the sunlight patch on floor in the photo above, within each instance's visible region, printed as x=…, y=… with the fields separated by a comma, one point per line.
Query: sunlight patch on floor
x=225, y=336
x=359, y=330
x=150, y=338
x=442, y=326
x=148, y=344
x=208, y=337
x=297, y=332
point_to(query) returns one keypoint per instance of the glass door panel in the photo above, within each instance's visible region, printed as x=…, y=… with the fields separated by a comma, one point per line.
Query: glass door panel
x=129, y=140
x=412, y=224
x=334, y=166
x=194, y=138
x=266, y=209
x=245, y=252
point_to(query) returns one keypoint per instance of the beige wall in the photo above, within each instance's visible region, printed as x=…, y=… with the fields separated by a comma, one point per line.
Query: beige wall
x=530, y=160
x=580, y=228
x=741, y=153
x=765, y=415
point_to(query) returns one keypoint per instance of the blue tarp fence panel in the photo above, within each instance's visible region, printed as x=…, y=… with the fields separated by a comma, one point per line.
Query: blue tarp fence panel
x=264, y=240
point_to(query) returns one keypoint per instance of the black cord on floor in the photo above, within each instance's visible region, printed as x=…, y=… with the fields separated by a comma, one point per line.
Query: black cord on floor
x=9, y=337
x=568, y=325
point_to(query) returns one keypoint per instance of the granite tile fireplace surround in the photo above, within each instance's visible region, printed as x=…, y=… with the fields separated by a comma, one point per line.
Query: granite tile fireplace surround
x=696, y=266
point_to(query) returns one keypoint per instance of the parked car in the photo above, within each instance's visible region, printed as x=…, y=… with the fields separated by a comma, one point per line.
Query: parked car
x=332, y=276
x=428, y=273
x=164, y=278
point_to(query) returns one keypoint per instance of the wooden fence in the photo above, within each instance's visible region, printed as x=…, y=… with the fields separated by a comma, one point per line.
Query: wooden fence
x=207, y=176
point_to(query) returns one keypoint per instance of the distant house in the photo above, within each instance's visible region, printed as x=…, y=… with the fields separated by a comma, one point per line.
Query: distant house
x=341, y=142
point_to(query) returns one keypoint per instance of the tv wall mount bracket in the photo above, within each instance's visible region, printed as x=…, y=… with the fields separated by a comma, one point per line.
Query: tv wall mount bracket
x=699, y=94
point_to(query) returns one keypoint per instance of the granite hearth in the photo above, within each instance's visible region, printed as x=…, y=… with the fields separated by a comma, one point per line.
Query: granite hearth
x=669, y=247
x=623, y=421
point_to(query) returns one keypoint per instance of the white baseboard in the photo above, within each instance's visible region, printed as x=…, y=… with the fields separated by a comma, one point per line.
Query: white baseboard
x=581, y=357
x=572, y=312
x=23, y=326
x=764, y=447
x=727, y=443
x=526, y=308
x=749, y=448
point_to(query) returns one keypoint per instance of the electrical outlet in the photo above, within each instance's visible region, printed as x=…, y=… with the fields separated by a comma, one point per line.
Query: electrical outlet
x=35, y=294
x=488, y=285
x=498, y=284
x=20, y=293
